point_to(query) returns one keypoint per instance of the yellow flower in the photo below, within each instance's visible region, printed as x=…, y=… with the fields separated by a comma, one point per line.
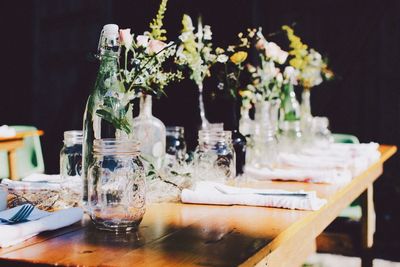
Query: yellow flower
x=245, y=93
x=238, y=57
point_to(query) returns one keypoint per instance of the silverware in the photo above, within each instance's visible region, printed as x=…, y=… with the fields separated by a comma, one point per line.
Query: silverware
x=288, y=194
x=21, y=215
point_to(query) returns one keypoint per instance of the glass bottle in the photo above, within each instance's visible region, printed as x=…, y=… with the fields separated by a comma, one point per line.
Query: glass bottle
x=215, y=155
x=71, y=168
x=116, y=185
x=150, y=132
x=290, y=108
x=105, y=115
x=306, y=118
x=265, y=152
x=175, y=146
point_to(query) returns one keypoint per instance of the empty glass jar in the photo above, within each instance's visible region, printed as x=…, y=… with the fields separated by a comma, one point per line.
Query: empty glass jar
x=320, y=132
x=214, y=155
x=116, y=185
x=175, y=145
x=290, y=139
x=71, y=168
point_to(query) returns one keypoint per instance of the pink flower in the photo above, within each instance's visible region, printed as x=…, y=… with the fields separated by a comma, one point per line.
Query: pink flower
x=142, y=40
x=126, y=37
x=156, y=46
x=260, y=44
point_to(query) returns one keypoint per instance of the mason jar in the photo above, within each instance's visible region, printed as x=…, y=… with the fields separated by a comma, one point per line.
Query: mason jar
x=175, y=145
x=215, y=155
x=321, y=134
x=116, y=189
x=71, y=155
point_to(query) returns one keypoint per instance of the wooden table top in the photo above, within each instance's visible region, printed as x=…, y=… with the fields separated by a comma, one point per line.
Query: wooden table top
x=22, y=135
x=198, y=235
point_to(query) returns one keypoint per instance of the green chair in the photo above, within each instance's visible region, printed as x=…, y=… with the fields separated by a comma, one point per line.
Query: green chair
x=345, y=138
x=354, y=210
x=29, y=157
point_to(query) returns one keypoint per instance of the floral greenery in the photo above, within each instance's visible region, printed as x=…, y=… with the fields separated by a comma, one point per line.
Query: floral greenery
x=195, y=51
x=144, y=71
x=266, y=77
x=229, y=77
x=312, y=69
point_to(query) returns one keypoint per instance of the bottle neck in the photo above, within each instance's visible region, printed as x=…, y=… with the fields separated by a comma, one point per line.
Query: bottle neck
x=146, y=106
x=305, y=102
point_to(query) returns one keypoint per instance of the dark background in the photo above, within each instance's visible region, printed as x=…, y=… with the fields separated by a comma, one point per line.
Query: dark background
x=47, y=71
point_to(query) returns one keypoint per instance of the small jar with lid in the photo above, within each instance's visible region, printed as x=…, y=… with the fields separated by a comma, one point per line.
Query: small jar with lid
x=214, y=155
x=175, y=145
x=116, y=191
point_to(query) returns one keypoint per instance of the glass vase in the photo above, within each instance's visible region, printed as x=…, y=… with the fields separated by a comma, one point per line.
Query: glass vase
x=265, y=151
x=306, y=118
x=204, y=121
x=106, y=114
x=116, y=179
x=150, y=132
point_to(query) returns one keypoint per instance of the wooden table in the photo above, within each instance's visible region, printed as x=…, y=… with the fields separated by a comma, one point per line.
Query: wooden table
x=201, y=235
x=11, y=144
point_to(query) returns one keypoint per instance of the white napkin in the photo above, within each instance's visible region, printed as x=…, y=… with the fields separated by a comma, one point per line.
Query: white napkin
x=329, y=176
x=40, y=177
x=6, y=131
x=40, y=221
x=206, y=193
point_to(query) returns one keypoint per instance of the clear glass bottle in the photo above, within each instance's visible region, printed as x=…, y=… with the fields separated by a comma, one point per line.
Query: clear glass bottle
x=265, y=151
x=150, y=132
x=175, y=145
x=290, y=108
x=306, y=118
x=116, y=185
x=97, y=122
x=215, y=155
x=71, y=168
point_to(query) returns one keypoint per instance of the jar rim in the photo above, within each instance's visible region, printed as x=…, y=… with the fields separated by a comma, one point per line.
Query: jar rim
x=108, y=146
x=212, y=135
x=73, y=136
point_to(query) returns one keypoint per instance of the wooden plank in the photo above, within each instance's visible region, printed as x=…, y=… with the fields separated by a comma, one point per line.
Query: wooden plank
x=188, y=235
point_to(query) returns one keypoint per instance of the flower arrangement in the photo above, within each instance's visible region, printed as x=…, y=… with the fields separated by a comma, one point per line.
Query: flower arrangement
x=312, y=69
x=195, y=51
x=143, y=72
x=267, y=77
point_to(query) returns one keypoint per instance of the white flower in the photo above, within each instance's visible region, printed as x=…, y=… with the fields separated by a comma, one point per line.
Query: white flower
x=273, y=51
x=279, y=78
x=126, y=37
x=291, y=75
x=185, y=36
x=142, y=40
x=155, y=46
x=207, y=32
x=222, y=58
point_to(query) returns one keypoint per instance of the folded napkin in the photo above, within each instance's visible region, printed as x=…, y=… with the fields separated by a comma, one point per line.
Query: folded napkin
x=40, y=177
x=354, y=157
x=39, y=181
x=206, y=193
x=329, y=176
x=6, y=131
x=40, y=221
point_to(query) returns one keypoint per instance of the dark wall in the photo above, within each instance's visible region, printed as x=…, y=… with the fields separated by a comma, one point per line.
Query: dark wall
x=47, y=71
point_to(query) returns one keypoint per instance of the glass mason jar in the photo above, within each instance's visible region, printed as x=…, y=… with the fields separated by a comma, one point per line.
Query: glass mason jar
x=215, y=155
x=3, y=196
x=321, y=136
x=116, y=199
x=71, y=168
x=175, y=146
x=150, y=132
x=71, y=155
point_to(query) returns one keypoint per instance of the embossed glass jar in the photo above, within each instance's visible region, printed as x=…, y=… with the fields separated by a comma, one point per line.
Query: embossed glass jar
x=175, y=145
x=116, y=185
x=215, y=155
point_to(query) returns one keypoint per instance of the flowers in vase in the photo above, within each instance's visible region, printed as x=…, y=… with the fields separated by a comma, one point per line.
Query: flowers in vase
x=312, y=68
x=143, y=71
x=267, y=77
x=195, y=51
